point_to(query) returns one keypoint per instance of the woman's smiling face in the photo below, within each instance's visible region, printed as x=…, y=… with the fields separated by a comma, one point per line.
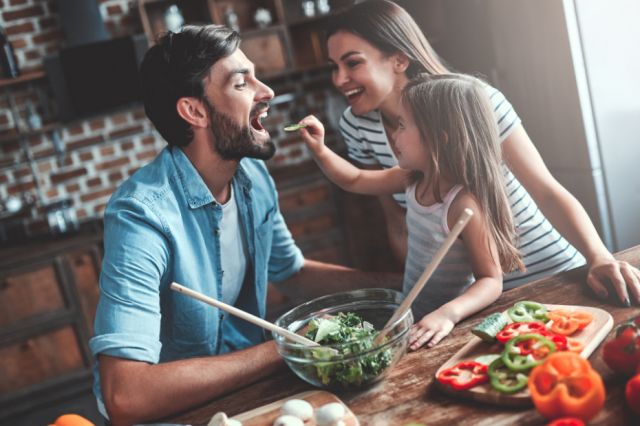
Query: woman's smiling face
x=364, y=74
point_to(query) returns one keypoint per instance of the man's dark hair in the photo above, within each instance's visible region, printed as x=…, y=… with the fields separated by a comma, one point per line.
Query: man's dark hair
x=175, y=67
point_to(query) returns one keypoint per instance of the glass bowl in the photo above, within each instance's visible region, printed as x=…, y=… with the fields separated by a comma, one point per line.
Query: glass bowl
x=354, y=364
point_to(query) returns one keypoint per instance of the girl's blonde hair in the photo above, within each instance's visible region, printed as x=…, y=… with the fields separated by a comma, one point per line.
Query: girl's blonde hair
x=456, y=121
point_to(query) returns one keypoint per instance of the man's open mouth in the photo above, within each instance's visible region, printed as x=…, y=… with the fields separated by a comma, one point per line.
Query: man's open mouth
x=256, y=121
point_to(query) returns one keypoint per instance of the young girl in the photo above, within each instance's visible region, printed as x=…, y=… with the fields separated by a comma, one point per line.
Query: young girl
x=375, y=48
x=449, y=159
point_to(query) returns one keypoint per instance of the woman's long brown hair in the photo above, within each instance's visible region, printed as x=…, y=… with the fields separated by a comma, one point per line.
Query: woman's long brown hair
x=456, y=122
x=391, y=29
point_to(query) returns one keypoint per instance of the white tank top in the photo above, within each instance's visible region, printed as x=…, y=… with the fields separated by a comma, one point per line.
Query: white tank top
x=427, y=227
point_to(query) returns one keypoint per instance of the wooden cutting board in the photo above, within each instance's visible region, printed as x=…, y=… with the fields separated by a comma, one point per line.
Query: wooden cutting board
x=267, y=414
x=591, y=336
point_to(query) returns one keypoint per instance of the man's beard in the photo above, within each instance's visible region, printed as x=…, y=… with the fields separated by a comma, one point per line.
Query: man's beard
x=233, y=142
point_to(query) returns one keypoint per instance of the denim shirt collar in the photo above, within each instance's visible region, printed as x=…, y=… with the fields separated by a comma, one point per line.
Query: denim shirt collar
x=196, y=191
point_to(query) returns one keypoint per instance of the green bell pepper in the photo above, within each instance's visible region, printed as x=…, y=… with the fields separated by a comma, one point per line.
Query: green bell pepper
x=527, y=311
x=512, y=358
x=504, y=380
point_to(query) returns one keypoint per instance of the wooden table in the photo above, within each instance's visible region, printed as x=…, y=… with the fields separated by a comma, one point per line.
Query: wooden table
x=409, y=395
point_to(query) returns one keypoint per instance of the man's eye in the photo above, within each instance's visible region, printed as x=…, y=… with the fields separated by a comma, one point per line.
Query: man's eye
x=241, y=85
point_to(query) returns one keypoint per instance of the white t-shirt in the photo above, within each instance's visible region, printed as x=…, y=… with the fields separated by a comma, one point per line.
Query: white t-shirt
x=233, y=251
x=544, y=251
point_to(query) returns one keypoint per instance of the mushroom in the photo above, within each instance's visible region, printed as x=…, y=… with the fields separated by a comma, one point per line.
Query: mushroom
x=330, y=414
x=221, y=419
x=288, y=420
x=298, y=408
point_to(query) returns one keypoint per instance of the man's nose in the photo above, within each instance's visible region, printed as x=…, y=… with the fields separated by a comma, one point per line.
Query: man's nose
x=264, y=92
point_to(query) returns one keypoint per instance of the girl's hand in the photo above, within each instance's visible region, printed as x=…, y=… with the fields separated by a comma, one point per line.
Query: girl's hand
x=430, y=330
x=313, y=134
x=624, y=278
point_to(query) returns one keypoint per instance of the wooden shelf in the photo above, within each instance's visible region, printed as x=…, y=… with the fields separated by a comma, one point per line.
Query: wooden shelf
x=315, y=18
x=13, y=135
x=23, y=78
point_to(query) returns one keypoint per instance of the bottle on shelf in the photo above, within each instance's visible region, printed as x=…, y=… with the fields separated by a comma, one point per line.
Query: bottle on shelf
x=8, y=61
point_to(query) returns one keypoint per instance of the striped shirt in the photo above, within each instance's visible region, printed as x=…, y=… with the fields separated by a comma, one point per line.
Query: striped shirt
x=428, y=228
x=544, y=250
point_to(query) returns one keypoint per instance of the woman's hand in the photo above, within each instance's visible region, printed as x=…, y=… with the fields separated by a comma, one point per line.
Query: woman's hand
x=430, y=330
x=624, y=278
x=313, y=134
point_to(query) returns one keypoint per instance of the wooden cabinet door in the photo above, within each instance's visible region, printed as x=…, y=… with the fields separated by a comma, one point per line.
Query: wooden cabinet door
x=85, y=268
x=31, y=291
x=39, y=358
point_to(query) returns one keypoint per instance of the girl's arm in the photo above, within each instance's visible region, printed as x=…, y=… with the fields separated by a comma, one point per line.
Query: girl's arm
x=486, y=289
x=345, y=174
x=568, y=216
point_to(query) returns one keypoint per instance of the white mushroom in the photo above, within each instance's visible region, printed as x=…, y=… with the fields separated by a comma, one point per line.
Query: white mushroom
x=298, y=408
x=288, y=420
x=330, y=414
x=221, y=419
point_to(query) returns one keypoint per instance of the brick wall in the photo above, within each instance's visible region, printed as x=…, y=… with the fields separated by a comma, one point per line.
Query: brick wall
x=98, y=153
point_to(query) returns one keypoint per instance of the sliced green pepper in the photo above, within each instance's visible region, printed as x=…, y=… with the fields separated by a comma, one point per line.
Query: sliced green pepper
x=504, y=380
x=539, y=351
x=527, y=311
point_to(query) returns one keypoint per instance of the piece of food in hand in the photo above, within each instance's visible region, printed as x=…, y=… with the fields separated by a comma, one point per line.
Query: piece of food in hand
x=622, y=353
x=528, y=311
x=565, y=385
x=330, y=414
x=504, y=380
x=294, y=127
x=298, y=408
x=490, y=326
x=464, y=375
x=221, y=419
x=515, y=329
x=288, y=420
x=526, y=351
x=632, y=394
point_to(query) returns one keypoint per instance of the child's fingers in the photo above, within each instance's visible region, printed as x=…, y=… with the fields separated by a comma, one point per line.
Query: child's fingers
x=437, y=337
x=422, y=339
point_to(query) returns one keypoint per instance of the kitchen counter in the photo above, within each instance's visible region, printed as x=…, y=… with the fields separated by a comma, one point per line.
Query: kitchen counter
x=409, y=395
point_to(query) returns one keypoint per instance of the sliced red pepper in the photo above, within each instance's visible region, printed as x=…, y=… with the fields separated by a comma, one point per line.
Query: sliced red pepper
x=464, y=375
x=567, y=421
x=517, y=328
x=560, y=341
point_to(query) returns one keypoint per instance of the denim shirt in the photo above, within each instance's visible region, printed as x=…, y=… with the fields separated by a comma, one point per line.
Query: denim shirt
x=161, y=226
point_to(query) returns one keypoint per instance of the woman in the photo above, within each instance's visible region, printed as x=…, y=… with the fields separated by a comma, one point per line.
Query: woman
x=375, y=49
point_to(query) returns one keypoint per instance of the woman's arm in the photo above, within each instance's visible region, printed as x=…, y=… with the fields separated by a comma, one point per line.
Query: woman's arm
x=486, y=289
x=346, y=175
x=568, y=216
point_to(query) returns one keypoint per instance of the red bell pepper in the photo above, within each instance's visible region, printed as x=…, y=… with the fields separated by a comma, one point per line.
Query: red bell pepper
x=622, y=353
x=517, y=328
x=632, y=394
x=464, y=375
x=566, y=421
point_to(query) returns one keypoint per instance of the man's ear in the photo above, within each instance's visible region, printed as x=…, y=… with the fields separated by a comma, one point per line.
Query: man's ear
x=193, y=111
x=400, y=62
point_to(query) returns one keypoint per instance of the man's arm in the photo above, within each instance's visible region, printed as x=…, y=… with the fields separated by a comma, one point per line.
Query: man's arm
x=319, y=278
x=135, y=391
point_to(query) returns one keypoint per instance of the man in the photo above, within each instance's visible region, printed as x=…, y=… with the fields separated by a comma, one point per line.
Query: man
x=204, y=214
